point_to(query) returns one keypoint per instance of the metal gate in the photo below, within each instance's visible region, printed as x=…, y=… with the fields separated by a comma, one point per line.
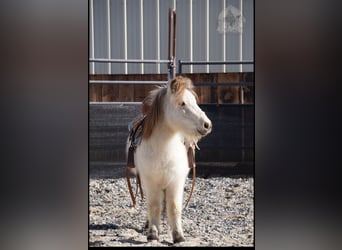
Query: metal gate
x=230, y=147
x=131, y=36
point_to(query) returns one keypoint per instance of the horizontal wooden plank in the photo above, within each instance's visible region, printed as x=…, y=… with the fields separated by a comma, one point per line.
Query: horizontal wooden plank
x=207, y=94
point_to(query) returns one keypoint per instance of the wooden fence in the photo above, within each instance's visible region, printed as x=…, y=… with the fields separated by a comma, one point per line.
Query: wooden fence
x=214, y=91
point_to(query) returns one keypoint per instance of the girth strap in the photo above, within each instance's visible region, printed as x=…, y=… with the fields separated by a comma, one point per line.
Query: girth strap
x=130, y=158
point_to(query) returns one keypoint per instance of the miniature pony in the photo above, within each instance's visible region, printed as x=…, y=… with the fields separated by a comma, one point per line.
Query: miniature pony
x=173, y=122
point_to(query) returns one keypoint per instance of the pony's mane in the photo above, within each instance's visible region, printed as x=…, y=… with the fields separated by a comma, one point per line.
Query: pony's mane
x=152, y=108
x=153, y=103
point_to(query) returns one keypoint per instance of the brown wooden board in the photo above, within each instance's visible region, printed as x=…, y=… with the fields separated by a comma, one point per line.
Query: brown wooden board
x=210, y=93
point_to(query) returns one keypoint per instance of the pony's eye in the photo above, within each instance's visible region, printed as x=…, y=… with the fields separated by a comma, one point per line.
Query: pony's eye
x=183, y=104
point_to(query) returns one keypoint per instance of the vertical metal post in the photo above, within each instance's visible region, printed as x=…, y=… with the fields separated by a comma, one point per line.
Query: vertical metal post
x=92, y=35
x=172, y=44
x=240, y=53
x=224, y=38
x=108, y=37
x=158, y=35
x=207, y=34
x=169, y=76
x=190, y=40
x=241, y=91
x=142, y=34
x=125, y=33
x=240, y=37
x=174, y=39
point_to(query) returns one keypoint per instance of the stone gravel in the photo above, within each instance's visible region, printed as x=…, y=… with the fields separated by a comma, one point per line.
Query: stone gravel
x=220, y=213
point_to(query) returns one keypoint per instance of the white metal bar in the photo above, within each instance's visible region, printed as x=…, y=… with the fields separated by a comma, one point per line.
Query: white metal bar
x=105, y=60
x=142, y=34
x=125, y=34
x=191, y=48
x=224, y=38
x=241, y=19
x=207, y=33
x=158, y=34
x=240, y=51
x=92, y=35
x=108, y=37
x=218, y=62
x=174, y=5
x=115, y=103
x=242, y=101
x=126, y=82
x=164, y=82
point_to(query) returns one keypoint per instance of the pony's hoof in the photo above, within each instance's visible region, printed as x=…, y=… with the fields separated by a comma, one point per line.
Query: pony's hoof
x=146, y=225
x=178, y=238
x=152, y=234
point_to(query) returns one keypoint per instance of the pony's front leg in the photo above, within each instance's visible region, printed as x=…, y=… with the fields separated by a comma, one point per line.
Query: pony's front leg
x=154, y=207
x=174, y=197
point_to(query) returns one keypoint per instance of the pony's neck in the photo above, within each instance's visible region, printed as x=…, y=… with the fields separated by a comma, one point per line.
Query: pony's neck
x=163, y=132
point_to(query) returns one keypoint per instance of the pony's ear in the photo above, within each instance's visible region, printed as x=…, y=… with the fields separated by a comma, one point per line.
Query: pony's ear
x=174, y=85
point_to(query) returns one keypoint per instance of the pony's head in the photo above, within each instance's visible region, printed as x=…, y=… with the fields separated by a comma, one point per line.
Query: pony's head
x=182, y=111
x=176, y=105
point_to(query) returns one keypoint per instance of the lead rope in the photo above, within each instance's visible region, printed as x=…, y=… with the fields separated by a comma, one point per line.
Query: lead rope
x=128, y=171
x=192, y=165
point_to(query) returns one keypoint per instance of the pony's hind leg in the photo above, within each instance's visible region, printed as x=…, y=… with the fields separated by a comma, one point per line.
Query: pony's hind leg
x=154, y=207
x=174, y=197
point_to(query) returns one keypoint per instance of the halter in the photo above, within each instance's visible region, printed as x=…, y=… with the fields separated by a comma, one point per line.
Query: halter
x=135, y=139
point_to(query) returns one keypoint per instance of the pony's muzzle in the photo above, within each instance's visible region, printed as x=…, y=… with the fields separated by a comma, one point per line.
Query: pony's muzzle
x=206, y=127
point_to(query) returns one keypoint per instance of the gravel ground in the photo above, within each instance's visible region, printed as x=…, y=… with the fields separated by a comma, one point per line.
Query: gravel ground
x=220, y=213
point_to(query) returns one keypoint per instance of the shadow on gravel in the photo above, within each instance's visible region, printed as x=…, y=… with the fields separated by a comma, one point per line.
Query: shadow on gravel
x=131, y=241
x=167, y=243
x=96, y=244
x=103, y=227
x=136, y=242
x=113, y=226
